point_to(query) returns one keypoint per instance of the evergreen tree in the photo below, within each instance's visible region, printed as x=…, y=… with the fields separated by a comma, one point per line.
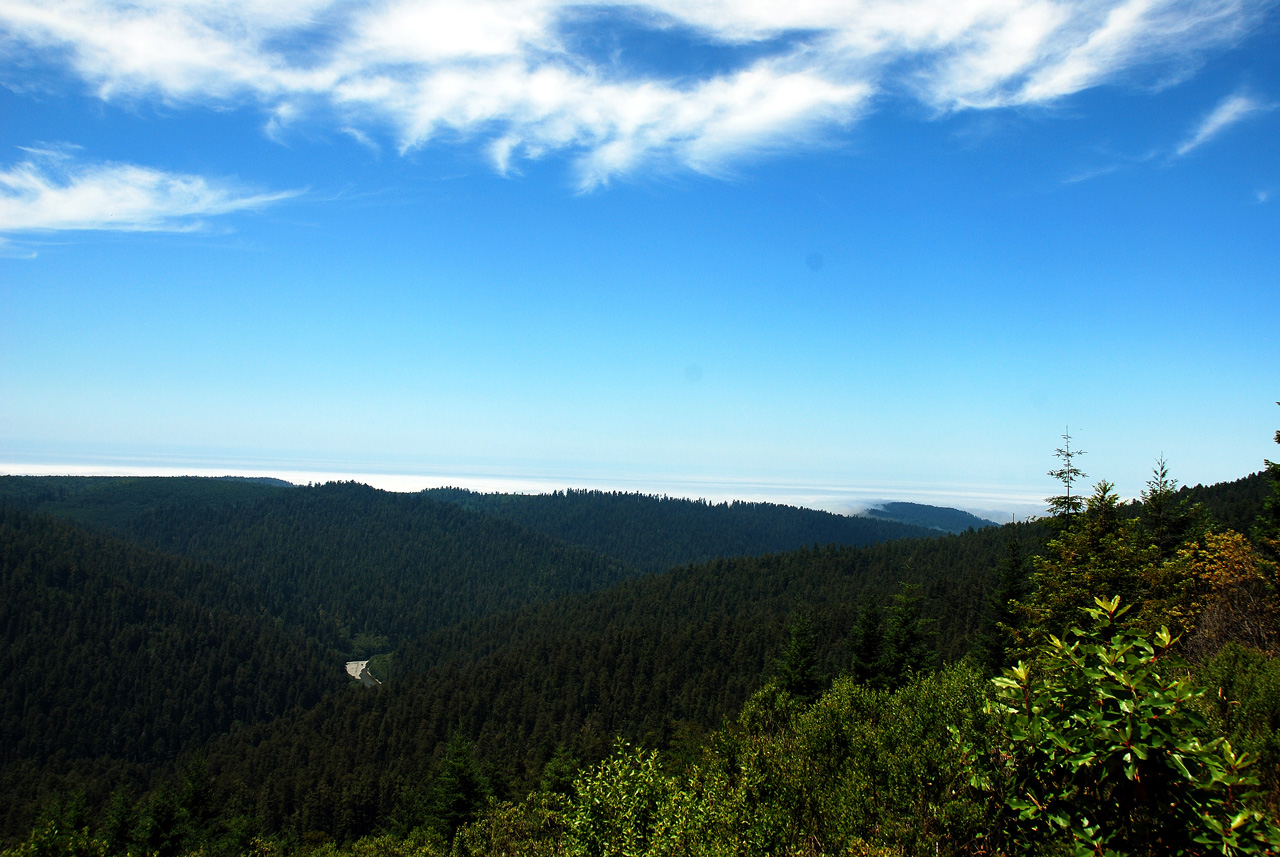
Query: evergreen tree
x=1099, y=552
x=1004, y=620
x=459, y=788
x=797, y=669
x=1066, y=505
x=908, y=638
x=559, y=772
x=866, y=643
x=1167, y=520
x=119, y=821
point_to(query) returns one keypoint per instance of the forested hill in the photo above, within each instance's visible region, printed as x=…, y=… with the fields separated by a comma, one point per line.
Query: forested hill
x=221, y=603
x=345, y=561
x=1232, y=504
x=655, y=533
x=660, y=660
x=108, y=676
x=934, y=517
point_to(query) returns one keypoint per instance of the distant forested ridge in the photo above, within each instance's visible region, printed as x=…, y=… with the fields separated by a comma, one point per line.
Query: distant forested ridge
x=656, y=533
x=932, y=517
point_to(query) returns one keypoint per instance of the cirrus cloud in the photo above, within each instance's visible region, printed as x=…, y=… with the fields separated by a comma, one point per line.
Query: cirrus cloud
x=513, y=75
x=53, y=191
x=1232, y=109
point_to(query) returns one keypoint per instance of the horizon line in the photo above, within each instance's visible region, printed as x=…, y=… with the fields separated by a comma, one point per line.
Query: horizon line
x=838, y=498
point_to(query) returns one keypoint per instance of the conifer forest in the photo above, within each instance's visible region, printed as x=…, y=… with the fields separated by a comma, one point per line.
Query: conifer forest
x=592, y=673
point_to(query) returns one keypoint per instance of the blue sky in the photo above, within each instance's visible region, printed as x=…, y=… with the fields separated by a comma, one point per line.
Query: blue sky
x=812, y=252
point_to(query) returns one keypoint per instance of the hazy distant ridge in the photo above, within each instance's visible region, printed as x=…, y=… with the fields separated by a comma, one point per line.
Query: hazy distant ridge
x=942, y=518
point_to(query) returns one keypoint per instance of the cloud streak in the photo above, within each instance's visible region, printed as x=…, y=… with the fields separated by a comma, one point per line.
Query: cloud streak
x=53, y=191
x=1231, y=110
x=511, y=74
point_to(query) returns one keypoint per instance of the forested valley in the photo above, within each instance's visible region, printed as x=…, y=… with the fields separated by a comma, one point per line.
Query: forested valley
x=597, y=673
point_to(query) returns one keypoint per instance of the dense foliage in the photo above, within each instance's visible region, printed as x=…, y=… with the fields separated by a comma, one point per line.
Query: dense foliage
x=1104, y=750
x=107, y=674
x=659, y=661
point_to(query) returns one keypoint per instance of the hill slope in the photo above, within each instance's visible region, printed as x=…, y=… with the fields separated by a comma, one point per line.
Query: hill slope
x=657, y=659
x=345, y=561
x=106, y=672
x=655, y=533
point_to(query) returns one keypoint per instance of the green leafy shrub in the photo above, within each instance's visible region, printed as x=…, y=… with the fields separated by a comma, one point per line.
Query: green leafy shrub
x=860, y=771
x=49, y=840
x=881, y=766
x=618, y=804
x=1105, y=753
x=534, y=827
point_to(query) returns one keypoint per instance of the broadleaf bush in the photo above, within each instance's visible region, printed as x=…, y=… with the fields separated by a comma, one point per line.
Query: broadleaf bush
x=1104, y=752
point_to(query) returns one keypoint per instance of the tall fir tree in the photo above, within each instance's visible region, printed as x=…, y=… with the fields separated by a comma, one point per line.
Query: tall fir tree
x=866, y=642
x=1099, y=552
x=1165, y=520
x=459, y=787
x=1066, y=505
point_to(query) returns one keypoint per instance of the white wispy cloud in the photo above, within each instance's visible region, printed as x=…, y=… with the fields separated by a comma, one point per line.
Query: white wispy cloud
x=1231, y=110
x=509, y=74
x=52, y=190
x=10, y=250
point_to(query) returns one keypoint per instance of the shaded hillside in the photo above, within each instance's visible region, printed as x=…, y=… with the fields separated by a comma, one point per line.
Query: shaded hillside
x=105, y=671
x=656, y=533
